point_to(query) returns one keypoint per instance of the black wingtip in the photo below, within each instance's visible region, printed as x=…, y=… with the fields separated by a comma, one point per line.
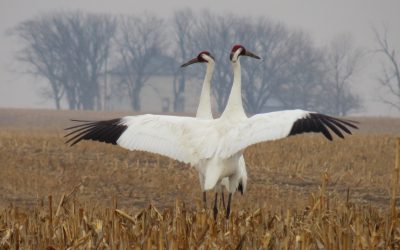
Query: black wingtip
x=107, y=131
x=319, y=123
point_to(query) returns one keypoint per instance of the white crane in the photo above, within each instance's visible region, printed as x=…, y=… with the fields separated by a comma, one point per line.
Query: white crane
x=204, y=111
x=218, y=143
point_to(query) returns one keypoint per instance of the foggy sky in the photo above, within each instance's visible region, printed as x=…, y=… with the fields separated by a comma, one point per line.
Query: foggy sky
x=323, y=19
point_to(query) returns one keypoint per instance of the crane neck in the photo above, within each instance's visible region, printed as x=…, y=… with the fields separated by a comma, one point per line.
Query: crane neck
x=204, y=109
x=234, y=106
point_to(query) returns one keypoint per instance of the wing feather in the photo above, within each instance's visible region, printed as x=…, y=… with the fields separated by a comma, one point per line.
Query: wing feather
x=190, y=140
x=332, y=127
x=340, y=125
x=180, y=138
x=278, y=125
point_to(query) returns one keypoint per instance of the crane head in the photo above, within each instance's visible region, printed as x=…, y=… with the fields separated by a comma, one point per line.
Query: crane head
x=203, y=57
x=239, y=50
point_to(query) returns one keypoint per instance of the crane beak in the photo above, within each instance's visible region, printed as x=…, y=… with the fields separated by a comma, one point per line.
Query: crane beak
x=194, y=60
x=251, y=54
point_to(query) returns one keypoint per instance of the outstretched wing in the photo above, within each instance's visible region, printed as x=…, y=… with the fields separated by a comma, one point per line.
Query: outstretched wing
x=179, y=138
x=281, y=124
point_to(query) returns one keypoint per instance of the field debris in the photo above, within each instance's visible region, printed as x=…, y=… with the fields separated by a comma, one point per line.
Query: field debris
x=93, y=227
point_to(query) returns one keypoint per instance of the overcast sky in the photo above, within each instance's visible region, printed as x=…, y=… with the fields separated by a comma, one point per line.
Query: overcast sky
x=323, y=19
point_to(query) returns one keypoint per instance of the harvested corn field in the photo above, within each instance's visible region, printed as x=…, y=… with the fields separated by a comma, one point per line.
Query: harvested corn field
x=302, y=192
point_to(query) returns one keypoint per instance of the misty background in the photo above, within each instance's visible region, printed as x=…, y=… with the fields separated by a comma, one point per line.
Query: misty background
x=338, y=57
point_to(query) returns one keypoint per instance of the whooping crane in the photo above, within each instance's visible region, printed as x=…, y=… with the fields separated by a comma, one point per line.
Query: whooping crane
x=218, y=143
x=268, y=126
x=204, y=111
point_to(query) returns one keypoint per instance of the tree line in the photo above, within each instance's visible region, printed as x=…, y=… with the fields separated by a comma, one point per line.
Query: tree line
x=83, y=56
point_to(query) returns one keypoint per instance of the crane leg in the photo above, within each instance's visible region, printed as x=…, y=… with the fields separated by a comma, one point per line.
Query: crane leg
x=205, y=199
x=223, y=199
x=228, y=209
x=215, y=206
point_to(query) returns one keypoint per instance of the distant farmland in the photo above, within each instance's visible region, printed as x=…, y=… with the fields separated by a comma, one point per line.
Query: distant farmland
x=302, y=191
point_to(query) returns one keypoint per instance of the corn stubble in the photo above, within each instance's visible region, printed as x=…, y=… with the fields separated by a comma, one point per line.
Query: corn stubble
x=303, y=193
x=80, y=226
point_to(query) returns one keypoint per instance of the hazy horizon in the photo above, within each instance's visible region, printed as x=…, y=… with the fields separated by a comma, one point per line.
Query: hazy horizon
x=322, y=19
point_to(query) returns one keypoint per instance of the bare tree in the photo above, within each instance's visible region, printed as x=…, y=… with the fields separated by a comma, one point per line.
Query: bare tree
x=70, y=50
x=214, y=32
x=88, y=49
x=141, y=40
x=390, y=77
x=262, y=78
x=302, y=74
x=182, y=27
x=38, y=36
x=343, y=61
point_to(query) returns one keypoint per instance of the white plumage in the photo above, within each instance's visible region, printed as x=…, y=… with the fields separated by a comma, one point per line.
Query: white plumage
x=217, y=144
x=170, y=136
x=204, y=111
x=259, y=128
